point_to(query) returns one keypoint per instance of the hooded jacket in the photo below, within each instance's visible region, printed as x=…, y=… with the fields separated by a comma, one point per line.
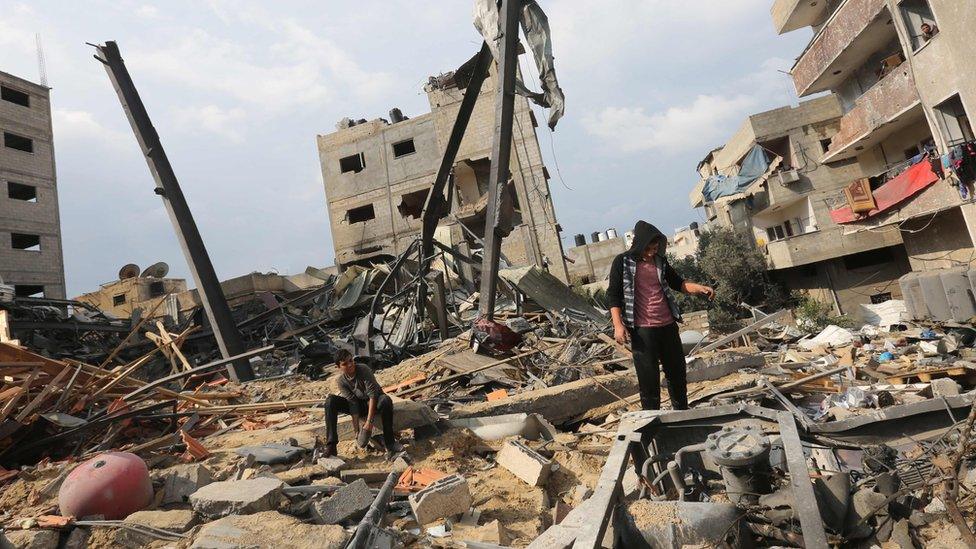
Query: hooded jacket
x=623, y=272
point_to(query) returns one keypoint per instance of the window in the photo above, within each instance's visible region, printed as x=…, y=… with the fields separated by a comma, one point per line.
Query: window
x=825, y=144
x=28, y=290
x=21, y=241
x=788, y=227
x=355, y=163
x=361, y=214
x=19, y=142
x=870, y=258
x=156, y=289
x=19, y=191
x=880, y=298
x=781, y=147
x=118, y=300
x=14, y=96
x=954, y=121
x=403, y=148
x=920, y=21
x=412, y=204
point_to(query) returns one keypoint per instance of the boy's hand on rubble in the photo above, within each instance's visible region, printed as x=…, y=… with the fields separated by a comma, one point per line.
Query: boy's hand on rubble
x=620, y=335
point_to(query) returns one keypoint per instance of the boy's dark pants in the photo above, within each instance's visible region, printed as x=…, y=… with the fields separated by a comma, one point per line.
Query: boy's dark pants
x=655, y=347
x=335, y=405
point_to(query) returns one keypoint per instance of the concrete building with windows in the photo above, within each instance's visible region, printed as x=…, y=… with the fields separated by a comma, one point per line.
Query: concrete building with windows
x=30, y=225
x=903, y=73
x=377, y=175
x=787, y=208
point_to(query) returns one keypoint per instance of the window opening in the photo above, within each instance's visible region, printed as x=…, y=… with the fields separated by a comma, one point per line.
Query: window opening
x=361, y=214
x=156, y=289
x=118, y=300
x=954, y=121
x=14, y=96
x=868, y=259
x=28, y=290
x=355, y=163
x=19, y=142
x=412, y=204
x=403, y=148
x=29, y=242
x=920, y=21
x=19, y=191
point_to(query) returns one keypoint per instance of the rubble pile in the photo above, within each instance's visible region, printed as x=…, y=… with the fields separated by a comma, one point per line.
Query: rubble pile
x=523, y=431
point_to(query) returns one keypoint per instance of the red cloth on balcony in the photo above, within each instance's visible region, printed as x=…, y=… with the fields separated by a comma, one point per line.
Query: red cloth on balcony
x=892, y=193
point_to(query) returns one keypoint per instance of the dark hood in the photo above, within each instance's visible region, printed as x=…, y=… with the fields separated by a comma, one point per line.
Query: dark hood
x=644, y=234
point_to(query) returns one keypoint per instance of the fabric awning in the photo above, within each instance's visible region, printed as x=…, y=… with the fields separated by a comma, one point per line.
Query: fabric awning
x=894, y=192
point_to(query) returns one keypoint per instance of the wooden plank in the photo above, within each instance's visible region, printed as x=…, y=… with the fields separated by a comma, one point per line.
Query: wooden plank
x=5, y=327
x=24, y=389
x=48, y=389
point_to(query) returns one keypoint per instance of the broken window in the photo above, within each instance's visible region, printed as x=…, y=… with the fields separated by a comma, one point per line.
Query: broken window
x=954, y=121
x=22, y=241
x=412, y=204
x=825, y=144
x=361, y=214
x=14, y=96
x=403, y=148
x=355, y=163
x=28, y=290
x=19, y=142
x=118, y=300
x=781, y=147
x=156, y=289
x=19, y=191
x=880, y=298
x=868, y=259
x=920, y=21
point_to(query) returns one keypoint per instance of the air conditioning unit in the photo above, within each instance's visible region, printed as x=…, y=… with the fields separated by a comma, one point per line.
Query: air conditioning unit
x=789, y=176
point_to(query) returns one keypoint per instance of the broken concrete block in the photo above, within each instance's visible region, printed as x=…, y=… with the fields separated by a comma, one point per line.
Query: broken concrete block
x=944, y=387
x=332, y=465
x=720, y=364
x=77, y=539
x=268, y=529
x=29, y=539
x=444, y=497
x=524, y=462
x=176, y=521
x=301, y=475
x=349, y=503
x=369, y=475
x=182, y=480
x=237, y=497
x=493, y=532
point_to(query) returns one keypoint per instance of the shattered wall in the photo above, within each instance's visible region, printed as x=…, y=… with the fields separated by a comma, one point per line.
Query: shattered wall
x=374, y=211
x=28, y=191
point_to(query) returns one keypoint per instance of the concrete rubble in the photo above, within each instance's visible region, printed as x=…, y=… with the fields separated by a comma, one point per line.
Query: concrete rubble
x=446, y=497
x=348, y=503
x=524, y=462
x=237, y=497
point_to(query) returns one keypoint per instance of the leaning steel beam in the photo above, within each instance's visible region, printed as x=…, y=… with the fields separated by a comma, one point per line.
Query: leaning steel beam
x=496, y=227
x=168, y=188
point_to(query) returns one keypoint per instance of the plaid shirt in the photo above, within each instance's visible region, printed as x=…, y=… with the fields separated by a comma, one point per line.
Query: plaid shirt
x=621, y=291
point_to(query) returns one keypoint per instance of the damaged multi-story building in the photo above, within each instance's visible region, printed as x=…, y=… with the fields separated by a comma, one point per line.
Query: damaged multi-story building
x=378, y=173
x=893, y=162
x=30, y=225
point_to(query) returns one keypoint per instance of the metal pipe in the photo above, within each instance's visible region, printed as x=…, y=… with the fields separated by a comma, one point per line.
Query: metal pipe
x=679, y=482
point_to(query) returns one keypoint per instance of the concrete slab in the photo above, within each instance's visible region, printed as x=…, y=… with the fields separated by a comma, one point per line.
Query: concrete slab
x=268, y=529
x=29, y=539
x=238, y=497
x=182, y=480
x=177, y=521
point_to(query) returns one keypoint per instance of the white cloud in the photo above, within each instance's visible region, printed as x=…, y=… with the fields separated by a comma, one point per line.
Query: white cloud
x=147, y=11
x=214, y=119
x=696, y=125
x=78, y=125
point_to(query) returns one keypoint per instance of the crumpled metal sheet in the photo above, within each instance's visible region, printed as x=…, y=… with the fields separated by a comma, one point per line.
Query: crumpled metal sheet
x=535, y=25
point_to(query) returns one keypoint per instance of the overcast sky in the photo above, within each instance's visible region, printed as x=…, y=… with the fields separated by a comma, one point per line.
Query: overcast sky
x=239, y=89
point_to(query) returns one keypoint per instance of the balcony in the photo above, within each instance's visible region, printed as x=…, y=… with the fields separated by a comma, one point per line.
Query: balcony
x=790, y=15
x=889, y=106
x=853, y=33
x=823, y=245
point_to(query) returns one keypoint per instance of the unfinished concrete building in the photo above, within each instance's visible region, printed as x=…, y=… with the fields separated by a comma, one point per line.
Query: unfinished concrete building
x=30, y=224
x=787, y=208
x=377, y=175
x=903, y=73
x=590, y=262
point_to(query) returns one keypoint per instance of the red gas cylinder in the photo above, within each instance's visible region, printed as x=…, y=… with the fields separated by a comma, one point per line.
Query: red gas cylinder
x=113, y=484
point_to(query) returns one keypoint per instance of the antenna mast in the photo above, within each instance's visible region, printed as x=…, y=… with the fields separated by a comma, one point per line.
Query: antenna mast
x=41, y=64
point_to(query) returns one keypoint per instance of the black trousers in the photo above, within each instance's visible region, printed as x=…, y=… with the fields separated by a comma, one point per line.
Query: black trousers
x=335, y=405
x=655, y=347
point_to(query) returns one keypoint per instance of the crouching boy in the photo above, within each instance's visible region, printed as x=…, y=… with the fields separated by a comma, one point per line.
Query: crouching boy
x=361, y=397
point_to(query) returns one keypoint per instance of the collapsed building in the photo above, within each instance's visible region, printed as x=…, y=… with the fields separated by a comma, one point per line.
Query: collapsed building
x=30, y=223
x=378, y=174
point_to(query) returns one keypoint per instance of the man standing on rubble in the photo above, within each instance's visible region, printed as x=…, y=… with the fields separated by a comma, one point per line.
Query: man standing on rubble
x=645, y=314
x=359, y=392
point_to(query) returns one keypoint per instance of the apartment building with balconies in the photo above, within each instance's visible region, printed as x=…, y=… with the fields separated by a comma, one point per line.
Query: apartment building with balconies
x=784, y=205
x=903, y=72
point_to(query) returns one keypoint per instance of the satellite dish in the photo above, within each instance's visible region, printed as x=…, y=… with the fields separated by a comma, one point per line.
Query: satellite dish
x=156, y=270
x=129, y=271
